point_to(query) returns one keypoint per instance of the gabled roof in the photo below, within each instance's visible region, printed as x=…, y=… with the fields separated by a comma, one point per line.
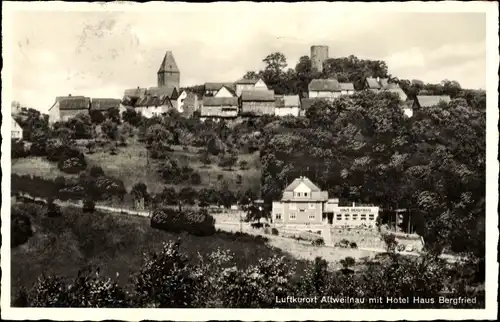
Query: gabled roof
x=303, y=180
x=217, y=86
x=381, y=83
x=220, y=101
x=229, y=89
x=14, y=123
x=73, y=102
x=134, y=92
x=260, y=95
x=432, y=100
x=171, y=92
x=347, y=86
x=104, y=104
x=327, y=85
x=149, y=100
x=251, y=81
x=168, y=64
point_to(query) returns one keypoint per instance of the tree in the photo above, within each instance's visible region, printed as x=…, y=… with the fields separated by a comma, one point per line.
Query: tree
x=110, y=129
x=96, y=117
x=113, y=114
x=132, y=117
x=169, y=196
x=195, y=178
x=96, y=171
x=251, y=75
x=88, y=205
x=81, y=125
x=140, y=194
x=187, y=195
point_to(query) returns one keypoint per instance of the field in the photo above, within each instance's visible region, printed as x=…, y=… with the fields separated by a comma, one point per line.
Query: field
x=115, y=243
x=131, y=165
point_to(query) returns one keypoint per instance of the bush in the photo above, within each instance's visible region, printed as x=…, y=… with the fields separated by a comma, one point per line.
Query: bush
x=344, y=243
x=53, y=210
x=88, y=206
x=318, y=242
x=354, y=245
x=274, y=231
x=96, y=171
x=18, y=149
x=401, y=248
x=267, y=231
x=195, y=178
x=243, y=164
x=20, y=229
x=196, y=222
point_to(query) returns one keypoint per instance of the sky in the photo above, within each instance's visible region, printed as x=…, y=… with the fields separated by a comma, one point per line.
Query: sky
x=101, y=53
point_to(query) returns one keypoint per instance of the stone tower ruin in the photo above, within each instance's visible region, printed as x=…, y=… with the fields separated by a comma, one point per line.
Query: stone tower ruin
x=318, y=56
x=169, y=74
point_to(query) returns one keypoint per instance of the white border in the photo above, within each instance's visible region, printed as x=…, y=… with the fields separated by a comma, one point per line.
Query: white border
x=490, y=8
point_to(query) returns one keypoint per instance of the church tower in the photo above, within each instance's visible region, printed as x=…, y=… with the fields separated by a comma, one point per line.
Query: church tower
x=169, y=74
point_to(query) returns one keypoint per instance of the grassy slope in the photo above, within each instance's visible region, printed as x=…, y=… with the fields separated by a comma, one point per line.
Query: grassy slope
x=115, y=243
x=130, y=165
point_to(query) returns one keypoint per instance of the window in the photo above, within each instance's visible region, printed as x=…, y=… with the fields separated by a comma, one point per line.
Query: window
x=312, y=216
x=363, y=216
x=372, y=216
x=339, y=216
x=305, y=194
x=354, y=216
x=278, y=216
x=347, y=216
x=293, y=216
x=302, y=210
x=312, y=206
x=293, y=206
x=298, y=194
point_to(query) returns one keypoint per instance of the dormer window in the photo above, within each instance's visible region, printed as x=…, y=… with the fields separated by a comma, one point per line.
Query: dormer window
x=298, y=194
x=305, y=194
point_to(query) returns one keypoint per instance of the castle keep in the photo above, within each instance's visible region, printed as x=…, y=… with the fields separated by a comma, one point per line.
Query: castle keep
x=169, y=74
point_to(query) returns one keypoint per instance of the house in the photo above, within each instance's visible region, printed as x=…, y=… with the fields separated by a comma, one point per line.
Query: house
x=257, y=102
x=189, y=104
x=324, y=88
x=423, y=101
x=219, y=107
x=287, y=105
x=212, y=88
x=170, y=92
x=104, y=104
x=153, y=105
x=249, y=84
x=302, y=203
x=379, y=84
x=346, y=88
x=16, y=130
x=66, y=107
x=350, y=216
x=225, y=91
x=180, y=100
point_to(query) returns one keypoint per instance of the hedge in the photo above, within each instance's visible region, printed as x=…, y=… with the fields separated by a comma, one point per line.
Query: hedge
x=196, y=222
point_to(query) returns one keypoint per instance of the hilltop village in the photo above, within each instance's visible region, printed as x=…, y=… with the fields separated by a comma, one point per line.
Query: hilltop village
x=232, y=101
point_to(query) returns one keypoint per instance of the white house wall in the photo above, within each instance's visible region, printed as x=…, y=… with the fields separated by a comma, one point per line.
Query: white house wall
x=283, y=111
x=223, y=92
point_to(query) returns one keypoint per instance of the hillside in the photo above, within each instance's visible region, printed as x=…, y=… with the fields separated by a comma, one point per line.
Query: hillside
x=130, y=164
x=116, y=244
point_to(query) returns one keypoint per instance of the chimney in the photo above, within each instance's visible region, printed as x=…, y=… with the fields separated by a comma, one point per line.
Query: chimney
x=69, y=95
x=353, y=204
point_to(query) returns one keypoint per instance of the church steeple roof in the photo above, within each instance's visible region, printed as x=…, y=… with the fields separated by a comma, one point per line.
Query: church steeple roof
x=168, y=64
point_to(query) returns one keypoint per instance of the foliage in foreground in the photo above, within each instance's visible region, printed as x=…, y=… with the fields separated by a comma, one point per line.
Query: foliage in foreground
x=169, y=279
